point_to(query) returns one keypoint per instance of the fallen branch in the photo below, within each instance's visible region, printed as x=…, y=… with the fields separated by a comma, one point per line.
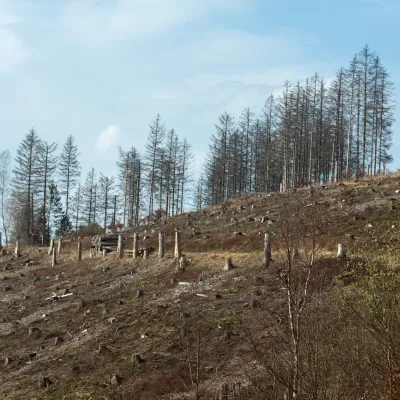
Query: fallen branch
x=56, y=296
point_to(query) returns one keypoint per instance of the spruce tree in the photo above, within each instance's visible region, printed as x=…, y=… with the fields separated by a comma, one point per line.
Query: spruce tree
x=69, y=170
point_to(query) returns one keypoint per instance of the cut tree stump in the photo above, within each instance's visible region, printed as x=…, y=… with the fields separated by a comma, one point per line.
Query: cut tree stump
x=79, y=250
x=228, y=265
x=136, y=360
x=51, y=247
x=267, y=251
x=178, y=249
x=54, y=257
x=341, y=251
x=44, y=382
x=135, y=245
x=17, y=249
x=160, y=244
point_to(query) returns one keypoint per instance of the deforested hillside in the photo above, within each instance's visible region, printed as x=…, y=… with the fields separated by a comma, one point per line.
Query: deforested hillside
x=224, y=321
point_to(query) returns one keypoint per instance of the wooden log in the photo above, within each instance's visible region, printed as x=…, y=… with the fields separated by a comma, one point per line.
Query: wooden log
x=178, y=248
x=59, y=247
x=54, y=258
x=160, y=244
x=341, y=251
x=267, y=251
x=17, y=249
x=51, y=247
x=120, y=248
x=135, y=245
x=79, y=250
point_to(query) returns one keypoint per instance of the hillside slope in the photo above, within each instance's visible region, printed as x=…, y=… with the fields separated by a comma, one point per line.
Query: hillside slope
x=86, y=343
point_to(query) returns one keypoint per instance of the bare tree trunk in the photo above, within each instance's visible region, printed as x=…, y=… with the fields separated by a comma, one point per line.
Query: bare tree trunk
x=59, y=247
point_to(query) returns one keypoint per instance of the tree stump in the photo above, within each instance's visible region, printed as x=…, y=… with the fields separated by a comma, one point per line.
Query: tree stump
x=54, y=258
x=139, y=293
x=120, y=249
x=228, y=265
x=79, y=249
x=51, y=247
x=136, y=360
x=104, y=253
x=267, y=251
x=135, y=245
x=160, y=244
x=115, y=380
x=178, y=249
x=341, y=251
x=146, y=253
x=34, y=332
x=44, y=382
x=17, y=249
x=58, y=340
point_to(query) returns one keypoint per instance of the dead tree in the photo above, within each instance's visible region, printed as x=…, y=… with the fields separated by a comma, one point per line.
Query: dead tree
x=59, y=247
x=178, y=249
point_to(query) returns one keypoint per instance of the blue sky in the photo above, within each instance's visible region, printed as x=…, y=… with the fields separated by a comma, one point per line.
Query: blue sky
x=102, y=69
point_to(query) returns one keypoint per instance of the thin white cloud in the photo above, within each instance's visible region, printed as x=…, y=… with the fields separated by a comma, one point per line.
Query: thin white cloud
x=108, y=138
x=7, y=20
x=95, y=23
x=13, y=51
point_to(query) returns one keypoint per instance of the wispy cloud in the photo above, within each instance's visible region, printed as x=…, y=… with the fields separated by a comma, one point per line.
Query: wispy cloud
x=108, y=138
x=13, y=51
x=95, y=23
